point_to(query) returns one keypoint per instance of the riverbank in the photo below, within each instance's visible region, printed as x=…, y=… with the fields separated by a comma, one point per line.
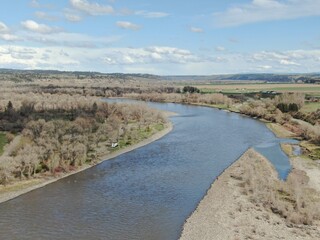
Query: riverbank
x=248, y=201
x=21, y=187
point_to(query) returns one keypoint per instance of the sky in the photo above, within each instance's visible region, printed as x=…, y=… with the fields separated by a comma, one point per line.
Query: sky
x=176, y=37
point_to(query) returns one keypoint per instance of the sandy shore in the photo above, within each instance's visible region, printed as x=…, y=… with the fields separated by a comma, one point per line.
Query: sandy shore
x=14, y=190
x=247, y=201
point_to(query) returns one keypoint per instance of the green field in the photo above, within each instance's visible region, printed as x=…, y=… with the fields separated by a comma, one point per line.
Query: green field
x=311, y=107
x=313, y=89
x=3, y=141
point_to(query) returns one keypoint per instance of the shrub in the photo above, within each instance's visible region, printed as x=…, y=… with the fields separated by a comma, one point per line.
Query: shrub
x=190, y=89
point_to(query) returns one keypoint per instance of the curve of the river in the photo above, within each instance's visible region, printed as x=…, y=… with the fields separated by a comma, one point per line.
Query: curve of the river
x=147, y=193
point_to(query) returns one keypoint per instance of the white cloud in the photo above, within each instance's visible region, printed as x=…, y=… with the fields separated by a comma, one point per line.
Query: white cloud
x=220, y=49
x=149, y=55
x=5, y=33
x=267, y=3
x=72, y=40
x=196, y=30
x=38, y=27
x=73, y=17
x=35, y=58
x=287, y=62
x=268, y=56
x=36, y=4
x=128, y=25
x=22, y=54
x=112, y=59
x=155, y=59
x=265, y=67
x=148, y=14
x=266, y=10
x=91, y=8
x=45, y=16
x=3, y=27
x=8, y=37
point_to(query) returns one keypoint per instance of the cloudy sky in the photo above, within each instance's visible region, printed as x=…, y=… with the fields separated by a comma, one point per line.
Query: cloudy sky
x=161, y=37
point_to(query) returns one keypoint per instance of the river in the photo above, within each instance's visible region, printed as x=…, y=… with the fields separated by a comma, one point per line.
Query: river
x=147, y=193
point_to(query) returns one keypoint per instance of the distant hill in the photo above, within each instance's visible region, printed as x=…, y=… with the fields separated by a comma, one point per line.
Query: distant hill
x=28, y=75
x=251, y=77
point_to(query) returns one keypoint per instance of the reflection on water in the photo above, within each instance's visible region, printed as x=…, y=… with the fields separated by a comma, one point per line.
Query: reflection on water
x=146, y=193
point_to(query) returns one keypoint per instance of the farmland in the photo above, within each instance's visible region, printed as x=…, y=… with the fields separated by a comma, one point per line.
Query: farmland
x=310, y=107
x=313, y=89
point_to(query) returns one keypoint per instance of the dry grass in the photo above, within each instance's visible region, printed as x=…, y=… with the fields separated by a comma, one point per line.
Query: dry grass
x=19, y=185
x=280, y=131
x=248, y=201
x=310, y=107
x=292, y=200
x=287, y=149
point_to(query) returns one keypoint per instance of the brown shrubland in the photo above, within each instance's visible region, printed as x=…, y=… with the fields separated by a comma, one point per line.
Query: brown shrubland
x=58, y=132
x=287, y=98
x=292, y=199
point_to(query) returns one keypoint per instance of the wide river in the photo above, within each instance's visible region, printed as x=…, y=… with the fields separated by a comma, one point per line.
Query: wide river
x=147, y=193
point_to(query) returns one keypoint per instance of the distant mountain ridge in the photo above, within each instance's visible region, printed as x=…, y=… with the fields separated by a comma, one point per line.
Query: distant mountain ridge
x=268, y=77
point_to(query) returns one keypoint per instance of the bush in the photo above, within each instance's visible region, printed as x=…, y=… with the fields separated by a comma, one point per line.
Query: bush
x=291, y=107
x=290, y=98
x=283, y=107
x=190, y=89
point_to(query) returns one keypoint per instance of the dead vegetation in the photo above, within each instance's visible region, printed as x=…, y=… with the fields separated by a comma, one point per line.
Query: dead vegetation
x=56, y=132
x=293, y=200
x=248, y=201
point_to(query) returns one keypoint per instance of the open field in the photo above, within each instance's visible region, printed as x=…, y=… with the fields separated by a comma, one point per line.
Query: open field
x=311, y=107
x=247, y=88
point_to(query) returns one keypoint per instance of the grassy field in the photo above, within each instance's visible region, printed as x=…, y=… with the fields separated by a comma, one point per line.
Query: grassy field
x=143, y=133
x=311, y=107
x=247, y=88
x=3, y=141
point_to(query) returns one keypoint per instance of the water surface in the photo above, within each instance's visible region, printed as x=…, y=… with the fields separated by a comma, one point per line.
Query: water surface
x=147, y=193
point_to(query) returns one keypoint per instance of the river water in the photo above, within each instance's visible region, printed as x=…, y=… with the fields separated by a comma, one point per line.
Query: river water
x=147, y=193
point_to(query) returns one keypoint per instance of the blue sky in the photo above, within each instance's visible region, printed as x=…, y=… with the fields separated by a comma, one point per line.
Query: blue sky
x=163, y=37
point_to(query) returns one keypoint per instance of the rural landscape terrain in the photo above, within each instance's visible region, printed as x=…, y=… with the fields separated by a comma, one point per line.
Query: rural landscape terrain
x=160, y=120
x=56, y=123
